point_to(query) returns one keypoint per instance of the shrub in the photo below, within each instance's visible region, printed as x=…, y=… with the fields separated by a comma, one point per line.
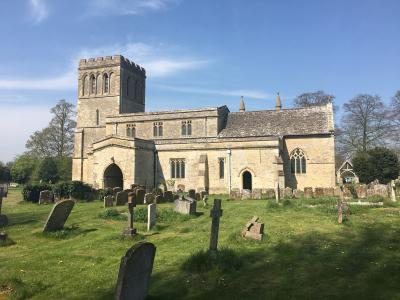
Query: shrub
x=140, y=214
x=272, y=204
x=287, y=202
x=103, y=193
x=112, y=214
x=31, y=192
x=82, y=191
x=62, y=189
x=225, y=260
x=375, y=199
x=353, y=191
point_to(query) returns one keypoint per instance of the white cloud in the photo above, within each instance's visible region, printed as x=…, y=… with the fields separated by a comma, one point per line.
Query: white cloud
x=152, y=58
x=255, y=94
x=127, y=7
x=39, y=10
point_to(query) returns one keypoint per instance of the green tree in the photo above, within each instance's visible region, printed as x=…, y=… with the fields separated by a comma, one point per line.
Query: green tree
x=47, y=170
x=64, y=168
x=5, y=175
x=57, y=138
x=377, y=163
x=23, y=168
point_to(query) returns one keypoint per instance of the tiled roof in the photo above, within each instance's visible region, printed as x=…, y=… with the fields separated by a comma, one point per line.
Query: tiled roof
x=298, y=121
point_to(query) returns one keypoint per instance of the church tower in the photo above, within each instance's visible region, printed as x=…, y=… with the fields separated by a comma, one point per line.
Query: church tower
x=107, y=86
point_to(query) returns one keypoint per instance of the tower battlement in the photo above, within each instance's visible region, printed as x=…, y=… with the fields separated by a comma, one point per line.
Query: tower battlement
x=108, y=61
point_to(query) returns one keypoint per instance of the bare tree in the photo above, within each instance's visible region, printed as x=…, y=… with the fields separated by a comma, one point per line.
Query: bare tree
x=364, y=124
x=58, y=137
x=313, y=98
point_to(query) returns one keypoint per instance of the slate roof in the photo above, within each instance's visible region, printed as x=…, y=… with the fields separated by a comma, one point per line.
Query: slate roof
x=298, y=121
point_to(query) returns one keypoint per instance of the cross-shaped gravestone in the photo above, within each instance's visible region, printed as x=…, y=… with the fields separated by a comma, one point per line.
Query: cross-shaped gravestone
x=130, y=231
x=215, y=214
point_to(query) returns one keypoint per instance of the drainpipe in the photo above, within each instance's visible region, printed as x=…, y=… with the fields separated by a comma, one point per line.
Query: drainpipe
x=229, y=152
x=155, y=168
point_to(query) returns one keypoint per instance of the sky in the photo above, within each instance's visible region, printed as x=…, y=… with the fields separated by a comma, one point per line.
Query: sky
x=196, y=53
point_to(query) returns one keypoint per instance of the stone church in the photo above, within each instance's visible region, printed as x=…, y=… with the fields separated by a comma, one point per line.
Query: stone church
x=118, y=143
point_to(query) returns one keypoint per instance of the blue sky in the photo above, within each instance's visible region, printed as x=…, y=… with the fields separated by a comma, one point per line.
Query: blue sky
x=196, y=53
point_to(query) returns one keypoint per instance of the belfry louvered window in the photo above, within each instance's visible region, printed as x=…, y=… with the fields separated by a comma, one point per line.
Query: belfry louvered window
x=298, y=162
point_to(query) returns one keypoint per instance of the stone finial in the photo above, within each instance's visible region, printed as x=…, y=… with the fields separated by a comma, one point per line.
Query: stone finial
x=278, y=103
x=241, y=107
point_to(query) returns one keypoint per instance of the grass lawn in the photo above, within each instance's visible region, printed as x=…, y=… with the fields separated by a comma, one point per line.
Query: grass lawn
x=305, y=254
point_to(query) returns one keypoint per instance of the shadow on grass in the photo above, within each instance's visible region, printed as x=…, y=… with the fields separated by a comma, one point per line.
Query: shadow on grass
x=22, y=218
x=360, y=263
x=67, y=232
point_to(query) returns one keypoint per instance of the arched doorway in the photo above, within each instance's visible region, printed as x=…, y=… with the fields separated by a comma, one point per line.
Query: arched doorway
x=247, y=180
x=113, y=177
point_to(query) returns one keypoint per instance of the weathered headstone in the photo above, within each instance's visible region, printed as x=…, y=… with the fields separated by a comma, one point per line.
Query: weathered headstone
x=361, y=191
x=277, y=192
x=58, y=215
x=198, y=197
x=336, y=191
x=46, y=197
x=168, y=196
x=234, y=194
x=342, y=206
x=318, y=192
x=3, y=236
x=185, y=206
x=298, y=193
x=151, y=216
x=149, y=198
x=246, y=194
x=108, y=201
x=253, y=230
x=116, y=190
x=269, y=193
x=159, y=199
x=329, y=192
x=215, y=214
x=130, y=230
x=121, y=198
x=135, y=271
x=192, y=194
x=308, y=192
x=140, y=195
x=256, y=193
x=288, y=192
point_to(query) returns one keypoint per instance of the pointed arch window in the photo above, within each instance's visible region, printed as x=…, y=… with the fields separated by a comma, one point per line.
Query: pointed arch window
x=92, y=84
x=97, y=117
x=298, y=162
x=186, y=128
x=130, y=130
x=84, y=85
x=221, y=165
x=177, y=168
x=106, y=83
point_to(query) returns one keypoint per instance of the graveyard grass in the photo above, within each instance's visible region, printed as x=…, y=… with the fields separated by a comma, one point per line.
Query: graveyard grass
x=305, y=254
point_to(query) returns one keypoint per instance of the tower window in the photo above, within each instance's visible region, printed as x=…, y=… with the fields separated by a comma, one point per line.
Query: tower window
x=106, y=83
x=186, y=128
x=298, y=163
x=221, y=165
x=130, y=130
x=177, y=168
x=97, y=117
x=158, y=129
x=84, y=85
x=92, y=84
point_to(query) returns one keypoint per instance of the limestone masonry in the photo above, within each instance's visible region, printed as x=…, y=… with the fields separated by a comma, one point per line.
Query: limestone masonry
x=118, y=144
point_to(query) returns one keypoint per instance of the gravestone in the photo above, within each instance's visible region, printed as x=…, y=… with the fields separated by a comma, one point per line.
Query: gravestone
x=121, y=198
x=269, y=193
x=46, y=197
x=192, y=194
x=168, y=196
x=132, y=197
x=215, y=214
x=336, y=191
x=205, y=201
x=159, y=199
x=318, y=192
x=151, y=216
x=246, y=194
x=361, y=191
x=308, y=192
x=130, y=231
x=58, y=215
x=135, y=271
x=3, y=236
x=140, y=195
x=277, y=192
x=329, y=192
x=381, y=190
x=256, y=194
x=198, y=197
x=234, y=194
x=181, y=187
x=148, y=198
x=298, y=193
x=108, y=201
x=254, y=230
x=3, y=218
x=202, y=193
x=392, y=191
x=186, y=206
x=288, y=192
x=116, y=190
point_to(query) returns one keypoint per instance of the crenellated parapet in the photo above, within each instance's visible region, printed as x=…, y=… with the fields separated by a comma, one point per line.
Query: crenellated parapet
x=111, y=61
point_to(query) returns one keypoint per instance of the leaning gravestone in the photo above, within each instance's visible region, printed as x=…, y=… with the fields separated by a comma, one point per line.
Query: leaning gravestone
x=151, y=216
x=58, y=215
x=108, y=201
x=121, y=198
x=254, y=230
x=46, y=197
x=135, y=272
